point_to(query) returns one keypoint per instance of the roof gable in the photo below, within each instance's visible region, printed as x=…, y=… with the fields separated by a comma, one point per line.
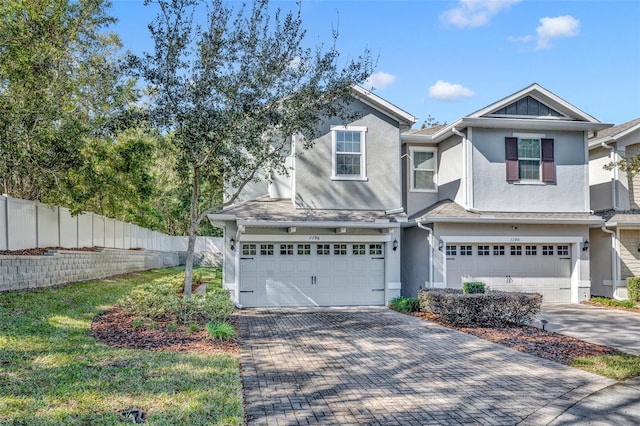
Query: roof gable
x=531, y=100
x=367, y=97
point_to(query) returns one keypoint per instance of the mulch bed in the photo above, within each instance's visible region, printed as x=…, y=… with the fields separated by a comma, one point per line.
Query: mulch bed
x=617, y=308
x=41, y=251
x=532, y=340
x=115, y=328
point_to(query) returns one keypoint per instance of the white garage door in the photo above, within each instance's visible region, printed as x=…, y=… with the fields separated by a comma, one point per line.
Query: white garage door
x=540, y=268
x=319, y=274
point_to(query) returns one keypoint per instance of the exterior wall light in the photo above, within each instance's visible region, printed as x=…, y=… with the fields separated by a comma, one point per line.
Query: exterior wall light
x=232, y=244
x=395, y=244
x=585, y=245
x=440, y=245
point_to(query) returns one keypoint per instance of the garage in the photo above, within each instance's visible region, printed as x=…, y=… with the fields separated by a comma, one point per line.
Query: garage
x=311, y=274
x=540, y=268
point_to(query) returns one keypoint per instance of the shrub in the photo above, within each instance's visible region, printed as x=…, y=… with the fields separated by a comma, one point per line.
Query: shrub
x=405, y=304
x=492, y=309
x=152, y=300
x=473, y=287
x=221, y=330
x=633, y=288
x=612, y=302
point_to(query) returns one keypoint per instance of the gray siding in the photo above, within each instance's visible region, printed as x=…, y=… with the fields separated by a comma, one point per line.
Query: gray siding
x=567, y=194
x=381, y=190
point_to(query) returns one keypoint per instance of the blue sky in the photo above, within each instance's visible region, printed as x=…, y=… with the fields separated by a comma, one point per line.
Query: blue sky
x=449, y=58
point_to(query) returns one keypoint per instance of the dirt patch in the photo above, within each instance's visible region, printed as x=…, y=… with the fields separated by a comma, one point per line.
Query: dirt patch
x=42, y=251
x=115, y=328
x=532, y=340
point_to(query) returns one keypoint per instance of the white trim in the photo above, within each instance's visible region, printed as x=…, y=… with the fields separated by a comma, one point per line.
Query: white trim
x=311, y=239
x=528, y=135
x=510, y=240
x=363, y=152
x=318, y=224
x=470, y=179
x=373, y=100
x=412, y=187
x=493, y=219
x=586, y=186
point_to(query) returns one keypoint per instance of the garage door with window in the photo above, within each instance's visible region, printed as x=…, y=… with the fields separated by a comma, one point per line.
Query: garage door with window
x=540, y=268
x=311, y=274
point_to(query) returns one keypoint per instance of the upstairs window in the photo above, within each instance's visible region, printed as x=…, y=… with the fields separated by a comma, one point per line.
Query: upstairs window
x=348, y=151
x=529, y=159
x=423, y=169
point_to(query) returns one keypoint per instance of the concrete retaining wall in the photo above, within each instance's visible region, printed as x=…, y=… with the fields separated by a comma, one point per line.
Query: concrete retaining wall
x=62, y=266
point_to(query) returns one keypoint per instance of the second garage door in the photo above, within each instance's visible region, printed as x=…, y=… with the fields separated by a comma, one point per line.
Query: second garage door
x=304, y=274
x=540, y=268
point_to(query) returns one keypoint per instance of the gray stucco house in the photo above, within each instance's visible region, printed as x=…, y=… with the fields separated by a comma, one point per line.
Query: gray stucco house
x=375, y=210
x=615, y=197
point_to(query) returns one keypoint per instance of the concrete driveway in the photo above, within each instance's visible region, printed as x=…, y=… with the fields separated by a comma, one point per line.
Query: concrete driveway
x=374, y=366
x=609, y=327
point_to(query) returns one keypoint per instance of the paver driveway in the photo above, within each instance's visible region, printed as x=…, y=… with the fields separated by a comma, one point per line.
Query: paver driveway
x=375, y=366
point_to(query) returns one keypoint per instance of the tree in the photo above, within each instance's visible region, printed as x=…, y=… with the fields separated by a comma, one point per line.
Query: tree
x=629, y=165
x=60, y=85
x=432, y=122
x=232, y=92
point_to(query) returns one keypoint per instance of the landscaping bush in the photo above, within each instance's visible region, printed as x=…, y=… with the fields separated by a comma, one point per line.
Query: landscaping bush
x=633, y=288
x=152, y=300
x=491, y=309
x=473, y=287
x=405, y=304
x=221, y=330
x=612, y=302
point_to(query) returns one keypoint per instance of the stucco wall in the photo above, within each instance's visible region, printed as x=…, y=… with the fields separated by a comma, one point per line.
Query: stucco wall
x=450, y=170
x=600, y=179
x=381, y=191
x=600, y=260
x=633, y=182
x=569, y=193
x=62, y=267
x=414, y=201
x=415, y=261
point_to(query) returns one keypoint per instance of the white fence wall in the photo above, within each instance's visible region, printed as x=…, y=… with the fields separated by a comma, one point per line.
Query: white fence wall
x=29, y=224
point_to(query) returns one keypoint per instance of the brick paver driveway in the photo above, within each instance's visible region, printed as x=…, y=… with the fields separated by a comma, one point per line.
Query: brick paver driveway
x=375, y=366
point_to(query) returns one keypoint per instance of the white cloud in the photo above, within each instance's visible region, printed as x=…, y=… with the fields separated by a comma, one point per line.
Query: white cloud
x=521, y=39
x=560, y=26
x=445, y=91
x=379, y=80
x=474, y=13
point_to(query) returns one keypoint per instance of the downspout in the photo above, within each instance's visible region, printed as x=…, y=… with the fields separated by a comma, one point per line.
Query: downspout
x=430, y=239
x=614, y=178
x=465, y=170
x=614, y=260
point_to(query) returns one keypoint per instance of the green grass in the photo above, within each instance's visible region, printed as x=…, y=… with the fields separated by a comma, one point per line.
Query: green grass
x=615, y=303
x=618, y=367
x=52, y=372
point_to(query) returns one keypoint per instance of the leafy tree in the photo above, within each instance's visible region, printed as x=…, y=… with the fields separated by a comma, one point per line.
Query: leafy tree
x=629, y=165
x=59, y=87
x=231, y=92
x=432, y=122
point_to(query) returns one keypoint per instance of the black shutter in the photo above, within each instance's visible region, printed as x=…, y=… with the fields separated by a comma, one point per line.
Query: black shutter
x=548, y=165
x=511, y=159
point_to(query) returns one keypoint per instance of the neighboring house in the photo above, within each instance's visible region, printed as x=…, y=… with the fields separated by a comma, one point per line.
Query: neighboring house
x=328, y=233
x=375, y=209
x=501, y=196
x=616, y=197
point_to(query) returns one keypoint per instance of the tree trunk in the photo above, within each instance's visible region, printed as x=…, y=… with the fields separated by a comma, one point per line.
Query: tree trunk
x=193, y=227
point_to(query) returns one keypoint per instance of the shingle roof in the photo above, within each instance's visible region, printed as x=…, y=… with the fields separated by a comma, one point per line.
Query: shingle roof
x=615, y=130
x=447, y=210
x=627, y=216
x=426, y=130
x=268, y=209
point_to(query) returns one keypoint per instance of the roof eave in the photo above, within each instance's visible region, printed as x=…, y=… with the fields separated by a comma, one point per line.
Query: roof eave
x=317, y=224
x=531, y=221
x=534, y=124
x=404, y=118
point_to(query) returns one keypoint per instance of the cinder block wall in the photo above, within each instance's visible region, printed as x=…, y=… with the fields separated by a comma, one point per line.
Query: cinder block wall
x=61, y=267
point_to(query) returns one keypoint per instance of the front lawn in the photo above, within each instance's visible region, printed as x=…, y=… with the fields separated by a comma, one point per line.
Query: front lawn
x=53, y=372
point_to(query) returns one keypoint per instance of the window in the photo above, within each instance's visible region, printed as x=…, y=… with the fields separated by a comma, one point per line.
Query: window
x=304, y=249
x=483, y=250
x=375, y=249
x=286, y=249
x=266, y=249
x=547, y=250
x=249, y=250
x=529, y=158
x=451, y=250
x=349, y=153
x=530, y=250
x=498, y=250
x=359, y=249
x=340, y=249
x=323, y=249
x=516, y=250
x=423, y=169
x=466, y=251
x=563, y=250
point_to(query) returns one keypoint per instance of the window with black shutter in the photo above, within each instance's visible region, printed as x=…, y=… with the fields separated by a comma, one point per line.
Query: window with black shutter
x=529, y=159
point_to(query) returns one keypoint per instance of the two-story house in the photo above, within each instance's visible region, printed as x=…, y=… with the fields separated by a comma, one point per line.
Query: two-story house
x=615, y=197
x=375, y=209
x=501, y=196
x=329, y=232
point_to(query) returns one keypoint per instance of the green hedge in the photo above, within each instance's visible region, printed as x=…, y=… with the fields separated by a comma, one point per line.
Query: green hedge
x=473, y=287
x=492, y=309
x=405, y=304
x=633, y=288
